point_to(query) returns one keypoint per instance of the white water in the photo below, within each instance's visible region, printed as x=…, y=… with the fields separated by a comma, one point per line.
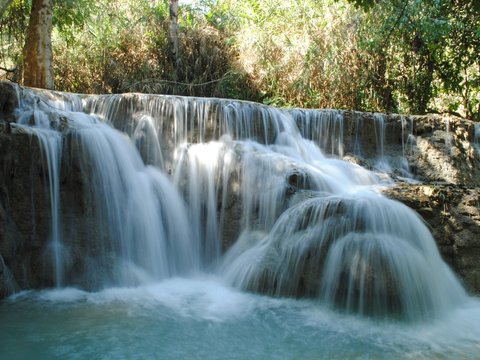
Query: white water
x=372, y=256
x=308, y=225
x=448, y=137
x=144, y=214
x=325, y=128
x=50, y=143
x=407, y=146
x=477, y=137
x=382, y=163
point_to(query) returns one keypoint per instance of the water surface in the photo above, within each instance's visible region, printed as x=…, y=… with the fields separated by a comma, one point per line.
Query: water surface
x=203, y=319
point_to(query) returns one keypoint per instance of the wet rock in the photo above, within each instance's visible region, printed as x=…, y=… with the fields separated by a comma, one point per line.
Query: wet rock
x=446, y=152
x=454, y=217
x=25, y=212
x=8, y=285
x=9, y=100
x=3, y=287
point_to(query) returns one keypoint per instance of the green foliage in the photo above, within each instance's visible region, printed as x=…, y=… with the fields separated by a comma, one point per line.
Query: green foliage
x=298, y=53
x=430, y=50
x=459, y=63
x=380, y=55
x=124, y=46
x=13, y=25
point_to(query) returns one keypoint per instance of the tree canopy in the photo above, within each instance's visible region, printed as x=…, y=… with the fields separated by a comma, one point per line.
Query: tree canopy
x=410, y=56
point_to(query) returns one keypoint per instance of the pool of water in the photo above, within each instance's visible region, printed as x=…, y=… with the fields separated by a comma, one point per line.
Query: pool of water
x=203, y=319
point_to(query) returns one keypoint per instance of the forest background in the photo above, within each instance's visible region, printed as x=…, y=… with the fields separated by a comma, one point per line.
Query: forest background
x=406, y=56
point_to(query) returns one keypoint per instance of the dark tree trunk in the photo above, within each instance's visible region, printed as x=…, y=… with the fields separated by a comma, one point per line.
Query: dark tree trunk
x=37, y=53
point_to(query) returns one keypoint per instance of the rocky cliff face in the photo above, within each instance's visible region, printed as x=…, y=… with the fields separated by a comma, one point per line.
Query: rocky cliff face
x=452, y=213
x=24, y=206
x=438, y=151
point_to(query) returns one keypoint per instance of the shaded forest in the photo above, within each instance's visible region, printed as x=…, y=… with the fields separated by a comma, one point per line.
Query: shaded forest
x=407, y=56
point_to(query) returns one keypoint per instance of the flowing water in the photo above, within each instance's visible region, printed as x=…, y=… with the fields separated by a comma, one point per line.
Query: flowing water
x=50, y=143
x=225, y=232
x=477, y=137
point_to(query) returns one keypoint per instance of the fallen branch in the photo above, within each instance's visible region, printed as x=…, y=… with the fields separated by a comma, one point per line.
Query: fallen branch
x=8, y=70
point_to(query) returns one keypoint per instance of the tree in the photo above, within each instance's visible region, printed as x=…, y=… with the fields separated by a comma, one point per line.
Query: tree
x=37, y=52
x=174, y=36
x=4, y=4
x=459, y=64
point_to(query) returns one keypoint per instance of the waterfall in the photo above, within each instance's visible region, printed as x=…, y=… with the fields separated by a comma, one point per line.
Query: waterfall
x=382, y=163
x=448, y=137
x=324, y=127
x=361, y=253
x=345, y=244
x=141, y=209
x=50, y=141
x=476, y=137
x=245, y=191
x=196, y=171
x=407, y=134
x=143, y=232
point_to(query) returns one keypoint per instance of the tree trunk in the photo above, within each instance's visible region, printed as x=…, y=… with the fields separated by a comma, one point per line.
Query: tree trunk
x=174, y=35
x=37, y=53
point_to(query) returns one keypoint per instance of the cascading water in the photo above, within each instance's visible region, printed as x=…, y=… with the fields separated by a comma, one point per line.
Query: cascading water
x=477, y=137
x=269, y=175
x=339, y=241
x=38, y=122
x=448, y=137
x=315, y=125
x=382, y=163
x=144, y=215
x=407, y=145
x=235, y=195
x=141, y=211
x=143, y=230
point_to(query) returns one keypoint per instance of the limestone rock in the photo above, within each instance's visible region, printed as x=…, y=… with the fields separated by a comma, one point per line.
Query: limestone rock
x=453, y=214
